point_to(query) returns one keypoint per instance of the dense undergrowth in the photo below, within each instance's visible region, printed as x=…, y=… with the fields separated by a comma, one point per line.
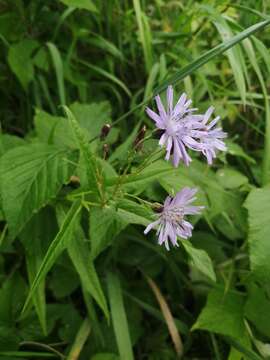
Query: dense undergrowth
x=79, y=279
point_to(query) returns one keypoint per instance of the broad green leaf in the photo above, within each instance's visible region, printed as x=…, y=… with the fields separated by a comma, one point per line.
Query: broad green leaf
x=200, y=260
x=79, y=252
x=256, y=308
x=8, y=142
x=54, y=129
x=105, y=224
x=230, y=178
x=20, y=62
x=131, y=212
x=36, y=242
x=258, y=205
x=56, y=247
x=223, y=314
x=119, y=317
x=81, y=4
x=30, y=177
x=93, y=171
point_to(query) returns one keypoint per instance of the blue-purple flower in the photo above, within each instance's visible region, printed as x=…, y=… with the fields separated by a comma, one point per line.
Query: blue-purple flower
x=211, y=137
x=183, y=129
x=171, y=222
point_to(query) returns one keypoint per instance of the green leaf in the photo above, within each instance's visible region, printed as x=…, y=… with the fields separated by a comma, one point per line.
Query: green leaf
x=56, y=247
x=133, y=213
x=81, y=4
x=8, y=142
x=79, y=252
x=20, y=62
x=119, y=317
x=223, y=314
x=230, y=178
x=105, y=356
x=256, y=307
x=104, y=226
x=200, y=260
x=30, y=177
x=92, y=168
x=258, y=205
x=36, y=242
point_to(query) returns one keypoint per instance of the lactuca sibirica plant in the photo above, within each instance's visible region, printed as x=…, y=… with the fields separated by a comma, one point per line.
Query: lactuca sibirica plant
x=182, y=129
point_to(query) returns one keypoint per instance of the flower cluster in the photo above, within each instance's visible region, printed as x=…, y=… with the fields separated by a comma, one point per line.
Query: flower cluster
x=182, y=129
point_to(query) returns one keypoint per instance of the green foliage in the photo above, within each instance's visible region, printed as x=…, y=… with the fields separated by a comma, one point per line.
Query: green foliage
x=74, y=202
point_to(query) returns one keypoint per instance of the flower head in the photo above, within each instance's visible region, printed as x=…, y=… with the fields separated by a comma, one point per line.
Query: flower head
x=177, y=124
x=211, y=137
x=171, y=221
x=182, y=129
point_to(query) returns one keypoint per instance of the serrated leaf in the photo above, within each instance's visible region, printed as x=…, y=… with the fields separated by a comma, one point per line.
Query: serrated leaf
x=56, y=247
x=92, y=168
x=30, y=177
x=258, y=205
x=200, y=260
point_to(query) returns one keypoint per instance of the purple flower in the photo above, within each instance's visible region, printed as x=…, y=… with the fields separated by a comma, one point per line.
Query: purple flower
x=182, y=129
x=171, y=221
x=178, y=125
x=211, y=137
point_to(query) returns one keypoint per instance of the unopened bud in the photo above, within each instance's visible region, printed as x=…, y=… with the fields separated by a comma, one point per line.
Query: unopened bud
x=139, y=138
x=105, y=151
x=105, y=131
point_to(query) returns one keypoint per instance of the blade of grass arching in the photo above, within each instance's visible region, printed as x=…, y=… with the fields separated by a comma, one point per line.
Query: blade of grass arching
x=199, y=62
x=105, y=74
x=105, y=45
x=144, y=35
x=264, y=52
x=176, y=339
x=234, y=54
x=28, y=354
x=61, y=20
x=119, y=317
x=58, y=66
x=55, y=249
x=46, y=93
x=266, y=157
x=79, y=341
x=151, y=81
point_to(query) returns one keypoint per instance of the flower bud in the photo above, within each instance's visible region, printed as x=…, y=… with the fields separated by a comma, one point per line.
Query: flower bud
x=105, y=131
x=105, y=151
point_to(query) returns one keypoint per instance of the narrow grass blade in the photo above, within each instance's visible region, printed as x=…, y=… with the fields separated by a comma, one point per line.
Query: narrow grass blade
x=79, y=341
x=119, y=318
x=202, y=60
x=59, y=70
x=168, y=317
x=105, y=74
x=144, y=35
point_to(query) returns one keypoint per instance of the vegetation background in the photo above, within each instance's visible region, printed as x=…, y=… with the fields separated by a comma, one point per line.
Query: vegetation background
x=79, y=280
